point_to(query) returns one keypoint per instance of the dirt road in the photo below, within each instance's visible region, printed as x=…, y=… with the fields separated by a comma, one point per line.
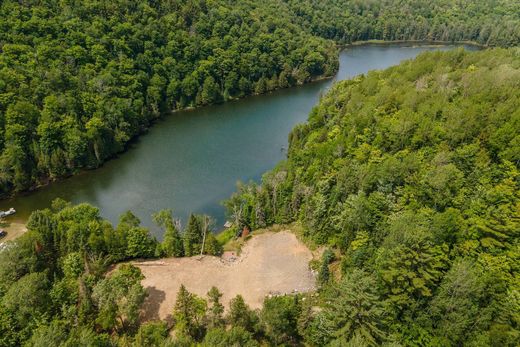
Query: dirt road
x=269, y=263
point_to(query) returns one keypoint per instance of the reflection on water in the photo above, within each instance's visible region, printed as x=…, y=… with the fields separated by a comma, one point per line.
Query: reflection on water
x=191, y=160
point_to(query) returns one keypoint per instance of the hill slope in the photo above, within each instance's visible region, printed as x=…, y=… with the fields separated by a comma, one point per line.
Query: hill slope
x=412, y=175
x=79, y=79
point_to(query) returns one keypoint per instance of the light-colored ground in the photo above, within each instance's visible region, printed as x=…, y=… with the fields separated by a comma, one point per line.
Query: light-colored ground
x=14, y=230
x=270, y=263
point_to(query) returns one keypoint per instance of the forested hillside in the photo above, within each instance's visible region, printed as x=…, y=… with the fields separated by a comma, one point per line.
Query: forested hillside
x=408, y=177
x=487, y=22
x=411, y=176
x=53, y=289
x=79, y=79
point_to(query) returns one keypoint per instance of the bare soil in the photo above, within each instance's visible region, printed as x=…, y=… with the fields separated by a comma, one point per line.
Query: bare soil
x=13, y=229
x=270, y=263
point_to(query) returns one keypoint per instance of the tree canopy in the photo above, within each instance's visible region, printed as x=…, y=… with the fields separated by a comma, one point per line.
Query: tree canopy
x=80, y=79
x=411, y=175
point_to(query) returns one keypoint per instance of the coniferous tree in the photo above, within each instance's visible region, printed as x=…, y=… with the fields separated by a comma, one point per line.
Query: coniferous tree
x=215, y=309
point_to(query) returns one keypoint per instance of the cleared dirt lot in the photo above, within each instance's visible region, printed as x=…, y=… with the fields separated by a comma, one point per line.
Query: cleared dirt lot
x=270, y=263
x=13, y=229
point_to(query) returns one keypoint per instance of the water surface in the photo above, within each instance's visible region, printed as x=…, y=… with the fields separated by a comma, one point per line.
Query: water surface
x=191, y=160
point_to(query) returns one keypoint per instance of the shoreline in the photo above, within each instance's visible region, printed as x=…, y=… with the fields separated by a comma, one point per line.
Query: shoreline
x=134, y=139
x=411, y=42
x=80, y=171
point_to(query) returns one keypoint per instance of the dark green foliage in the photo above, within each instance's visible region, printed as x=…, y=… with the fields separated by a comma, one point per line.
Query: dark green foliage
x=493, y=23
x=193, y=236
x=409, y=173
x=9, y=333
x=215, y=309
x=78, y=80
x=27, y=301
x=353, y=311
x=212, y=246
x=240, y=315
x=140, y=244
x=326, y=259
x=52, y=279
x=279, y=318
x=236, y=336
x=198, y=230
x=119, y=298
x=151, y=334
x=172, y=245
x=188, y=313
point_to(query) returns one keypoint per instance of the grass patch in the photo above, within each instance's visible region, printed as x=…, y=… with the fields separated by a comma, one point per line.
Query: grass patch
x=227, y=235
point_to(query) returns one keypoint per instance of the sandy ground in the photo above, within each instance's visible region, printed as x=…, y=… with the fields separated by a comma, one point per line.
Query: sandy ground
x=14, y=230
x=270, y=263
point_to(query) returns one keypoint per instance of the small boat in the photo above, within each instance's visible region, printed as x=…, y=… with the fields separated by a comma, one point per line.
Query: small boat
x=7, y=213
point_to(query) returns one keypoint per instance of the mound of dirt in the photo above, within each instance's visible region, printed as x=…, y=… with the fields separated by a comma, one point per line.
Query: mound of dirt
x=270, y=263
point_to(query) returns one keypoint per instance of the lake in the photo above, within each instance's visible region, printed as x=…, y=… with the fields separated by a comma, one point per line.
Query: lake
x=191, y=160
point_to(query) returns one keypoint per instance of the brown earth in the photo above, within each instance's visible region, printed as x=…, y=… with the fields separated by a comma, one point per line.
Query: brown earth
x=13, y=229
x=270, y=263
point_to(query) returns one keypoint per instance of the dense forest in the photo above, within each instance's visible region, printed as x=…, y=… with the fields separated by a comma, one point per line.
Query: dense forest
x=408, y=177
x=53, y=289
x=411, y=176
x=487, y=22
x=80, y=79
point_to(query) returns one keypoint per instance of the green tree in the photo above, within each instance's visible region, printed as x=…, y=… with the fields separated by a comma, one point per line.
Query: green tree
x=189, y=313
x=151, y=334
x=54, y=334
x=240, y=315
x=456, y=310
x=140, y=243
x=9, y=333
x=353, y=310
x=326, y=258
x=172, y=245
x=119, y=298
x=410, y=266
x=236, y=336
x=193, y=236
x=73, y=265
x=279, y=318
x=28, y=301
x=215, y=309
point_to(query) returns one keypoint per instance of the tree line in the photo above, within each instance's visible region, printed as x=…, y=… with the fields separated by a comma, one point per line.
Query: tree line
x=52, y=279
x=408, y=177
x=487, y=22
x=411, y=177
x=80, y=79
